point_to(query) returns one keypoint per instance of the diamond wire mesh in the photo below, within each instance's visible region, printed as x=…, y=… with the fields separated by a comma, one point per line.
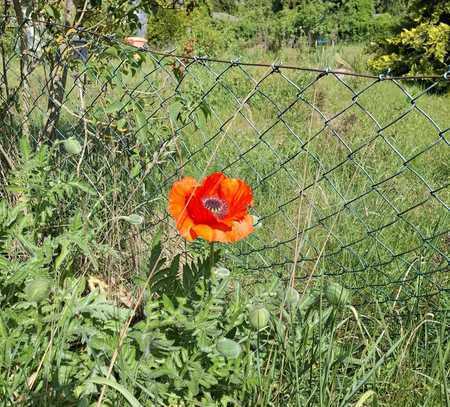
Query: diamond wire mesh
x=350, y=171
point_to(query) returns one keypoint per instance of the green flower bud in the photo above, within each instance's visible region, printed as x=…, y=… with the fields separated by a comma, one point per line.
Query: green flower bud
x=37, y=290
x=336, y=294
x=133, y=219
x=72, y=146
x=228, y=348
x=259, y=317
x=292, y=296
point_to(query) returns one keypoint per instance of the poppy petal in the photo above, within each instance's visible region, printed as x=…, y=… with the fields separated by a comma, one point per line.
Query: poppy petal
x=179, y=196
x=210, y=184
x=238, y=195
x=241, y=229
x=184, y=226
x=212, y=234
x=204, y=231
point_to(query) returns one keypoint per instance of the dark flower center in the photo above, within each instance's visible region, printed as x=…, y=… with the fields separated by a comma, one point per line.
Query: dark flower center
x=216, y=205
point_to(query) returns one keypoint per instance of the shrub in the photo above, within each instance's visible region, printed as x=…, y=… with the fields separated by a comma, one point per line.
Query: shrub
x=422, y=47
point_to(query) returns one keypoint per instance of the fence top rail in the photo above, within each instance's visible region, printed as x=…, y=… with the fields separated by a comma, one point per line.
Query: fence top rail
x=276, y=66
x=112, y=38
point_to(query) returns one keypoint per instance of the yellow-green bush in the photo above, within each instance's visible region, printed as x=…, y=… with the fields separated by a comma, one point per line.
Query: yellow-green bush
x=420, y=50
x=422, y=45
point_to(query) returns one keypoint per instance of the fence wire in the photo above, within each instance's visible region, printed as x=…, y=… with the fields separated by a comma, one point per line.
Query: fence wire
x=350, y=171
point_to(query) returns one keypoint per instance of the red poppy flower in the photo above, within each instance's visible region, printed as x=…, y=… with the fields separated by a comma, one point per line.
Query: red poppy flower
x=215, y=209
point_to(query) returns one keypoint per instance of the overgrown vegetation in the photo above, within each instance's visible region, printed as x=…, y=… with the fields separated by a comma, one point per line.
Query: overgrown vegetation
x=102, y=303
x=203, y=340
x=233, y=25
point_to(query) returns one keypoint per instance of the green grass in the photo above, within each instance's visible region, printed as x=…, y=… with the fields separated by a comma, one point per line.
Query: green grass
x=393, y=351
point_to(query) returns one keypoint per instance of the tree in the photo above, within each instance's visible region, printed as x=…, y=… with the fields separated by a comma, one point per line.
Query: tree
x=309, y=18
x=354, y=18
x=391, y=6
x=36, y=17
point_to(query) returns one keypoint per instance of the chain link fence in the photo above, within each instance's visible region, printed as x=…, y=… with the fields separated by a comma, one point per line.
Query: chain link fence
x=350, y=171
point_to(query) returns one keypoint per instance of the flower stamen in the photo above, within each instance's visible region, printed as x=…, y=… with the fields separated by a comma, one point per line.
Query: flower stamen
x=218, y=207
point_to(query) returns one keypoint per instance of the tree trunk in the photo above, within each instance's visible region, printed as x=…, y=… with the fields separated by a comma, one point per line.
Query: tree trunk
x=24, y=65
x=57, y=80
x=56, y=90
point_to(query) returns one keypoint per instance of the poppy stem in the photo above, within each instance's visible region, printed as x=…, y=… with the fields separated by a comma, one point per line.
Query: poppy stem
x=211, y=255
x=211, y=265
